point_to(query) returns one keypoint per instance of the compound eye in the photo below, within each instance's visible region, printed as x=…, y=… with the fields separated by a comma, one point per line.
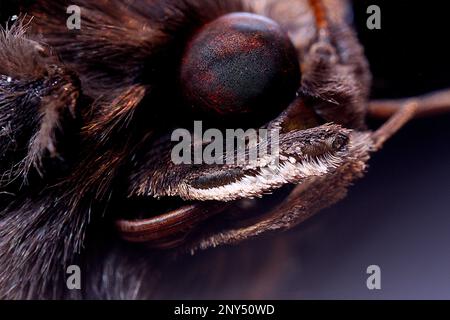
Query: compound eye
x=238, y=64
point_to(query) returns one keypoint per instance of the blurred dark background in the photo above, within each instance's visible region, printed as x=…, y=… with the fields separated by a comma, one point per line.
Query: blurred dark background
x=397, y=216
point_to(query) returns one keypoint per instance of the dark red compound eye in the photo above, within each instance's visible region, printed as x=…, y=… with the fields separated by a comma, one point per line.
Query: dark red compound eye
x=240, y=63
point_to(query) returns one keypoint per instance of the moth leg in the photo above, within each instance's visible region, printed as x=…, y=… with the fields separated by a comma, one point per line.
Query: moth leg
x=430, y=104
x=336, y=76
x=402, y=115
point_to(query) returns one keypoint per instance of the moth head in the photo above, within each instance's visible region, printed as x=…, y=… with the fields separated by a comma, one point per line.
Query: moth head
x=137, y=71
x=246, y=69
